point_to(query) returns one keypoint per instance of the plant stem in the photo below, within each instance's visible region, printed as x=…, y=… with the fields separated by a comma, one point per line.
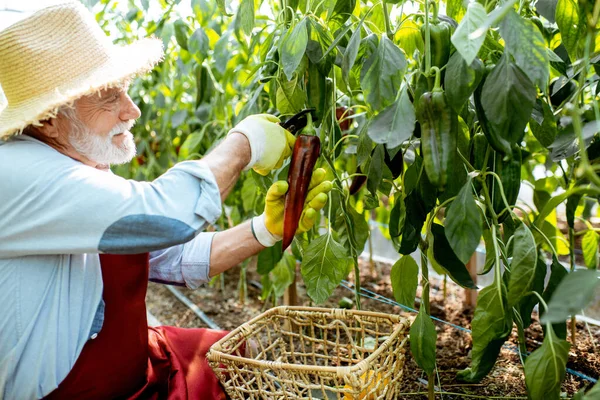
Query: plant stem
x=371, y=262
x=427, y=39
x=573, y=323
x=386, y=16
x=351, y=235
x=242, y=284
x=430, y=387
x=425, y=280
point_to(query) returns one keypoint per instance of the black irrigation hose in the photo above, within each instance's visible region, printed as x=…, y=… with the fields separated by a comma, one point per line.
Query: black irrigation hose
x=183, y=298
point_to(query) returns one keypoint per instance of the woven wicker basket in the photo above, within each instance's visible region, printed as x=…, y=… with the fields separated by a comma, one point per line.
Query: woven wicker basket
x=313, y=353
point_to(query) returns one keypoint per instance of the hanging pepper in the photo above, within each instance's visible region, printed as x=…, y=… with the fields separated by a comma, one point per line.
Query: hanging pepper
x=304, y=157
x=358, y=182
x=316, y=90
x=396, y=164
x=439, y=39
x=438, y=133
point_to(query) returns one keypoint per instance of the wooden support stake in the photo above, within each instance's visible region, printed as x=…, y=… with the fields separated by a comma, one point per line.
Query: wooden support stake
x=471, y=294
x=290, y=296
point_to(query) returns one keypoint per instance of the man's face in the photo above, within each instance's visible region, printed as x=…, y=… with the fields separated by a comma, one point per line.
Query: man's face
x=99, y=126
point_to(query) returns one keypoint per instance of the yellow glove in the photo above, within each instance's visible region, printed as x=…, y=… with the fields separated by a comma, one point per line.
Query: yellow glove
x=270, y=144
x=268, y=227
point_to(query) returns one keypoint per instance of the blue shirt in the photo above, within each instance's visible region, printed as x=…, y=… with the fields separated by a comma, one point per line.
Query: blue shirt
x=56, y=216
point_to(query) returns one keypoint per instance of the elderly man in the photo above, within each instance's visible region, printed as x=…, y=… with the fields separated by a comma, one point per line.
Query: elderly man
x=78, y=243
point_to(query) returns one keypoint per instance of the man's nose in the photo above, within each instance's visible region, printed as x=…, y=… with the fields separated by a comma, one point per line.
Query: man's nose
x=129, y=110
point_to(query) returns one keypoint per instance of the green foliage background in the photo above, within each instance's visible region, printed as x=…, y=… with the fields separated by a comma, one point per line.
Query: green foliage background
x=490, y=96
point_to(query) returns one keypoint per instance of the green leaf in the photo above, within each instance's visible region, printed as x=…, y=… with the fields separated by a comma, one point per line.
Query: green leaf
x=408, y=36
x=589, y=245
x=268, y=259
x=544, y=127
x=198, y=43
x=181, y=33
x=461, y=80
x=572, y=295
x=525, y=43
x=422, y=341
x=342, y=11
x=223, y=7
x=547, y=9
x=473, y=20
x=507, y=99
x=557, y=274
x=249, y=193
x=594, y=393
x=351, y=52
x=490, y=258
x=178, y=118
x=456, y=9
x=293, y=47
x=463, y=224
x=545, y=368
x=528, y=303
x=397, y=218
x=290, y=97
x=324, y=265
x=404, y=277
x=221, y=53
x=283, y=274
x=365, y=146
x=415, y=218
x=491, y=327
x=522, y=267
x=190, y=145
x=245, y=17
x=571, y=25
x=445, y=257
x=395, y=124
x=359, y=225
x=382, y=78
x=572, y=204
x=375, y=171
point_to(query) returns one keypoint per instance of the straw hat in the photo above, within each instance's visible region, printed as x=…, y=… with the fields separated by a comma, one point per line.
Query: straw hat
x=56, y=56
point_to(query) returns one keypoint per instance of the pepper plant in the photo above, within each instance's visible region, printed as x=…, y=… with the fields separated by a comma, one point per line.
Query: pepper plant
x=429, y=123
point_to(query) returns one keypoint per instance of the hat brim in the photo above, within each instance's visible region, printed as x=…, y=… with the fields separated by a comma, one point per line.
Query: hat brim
x=126, y=62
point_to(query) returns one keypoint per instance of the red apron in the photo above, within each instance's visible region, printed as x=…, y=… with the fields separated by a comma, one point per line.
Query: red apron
x=129, y=360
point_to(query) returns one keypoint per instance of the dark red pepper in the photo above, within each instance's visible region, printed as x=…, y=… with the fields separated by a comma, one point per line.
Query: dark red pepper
x=342, y=115
x=304, y=157
x=357, y=182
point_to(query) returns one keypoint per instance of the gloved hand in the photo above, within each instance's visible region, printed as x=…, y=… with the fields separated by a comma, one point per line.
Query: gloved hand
x=270, y=144
x=268, y=227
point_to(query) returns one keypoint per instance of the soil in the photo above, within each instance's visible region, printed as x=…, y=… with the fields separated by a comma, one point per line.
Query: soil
x=506, y=380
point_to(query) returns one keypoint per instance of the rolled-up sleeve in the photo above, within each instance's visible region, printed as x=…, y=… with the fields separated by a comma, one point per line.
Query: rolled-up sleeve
x=185, y=264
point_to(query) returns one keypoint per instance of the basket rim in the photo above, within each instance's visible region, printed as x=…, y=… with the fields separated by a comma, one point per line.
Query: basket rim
x=215, y=353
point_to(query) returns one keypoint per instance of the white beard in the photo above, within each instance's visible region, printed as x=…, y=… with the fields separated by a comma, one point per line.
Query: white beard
x=101, y=149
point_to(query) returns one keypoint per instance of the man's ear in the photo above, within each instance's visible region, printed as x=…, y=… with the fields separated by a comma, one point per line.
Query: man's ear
x=49, y=127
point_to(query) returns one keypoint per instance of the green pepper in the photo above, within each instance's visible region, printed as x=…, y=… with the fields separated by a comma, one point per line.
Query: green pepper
x=496, y=142
x=439, y=40
x=438, y=133
x=317, y=90
x=422, y=84
x=477, y=149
